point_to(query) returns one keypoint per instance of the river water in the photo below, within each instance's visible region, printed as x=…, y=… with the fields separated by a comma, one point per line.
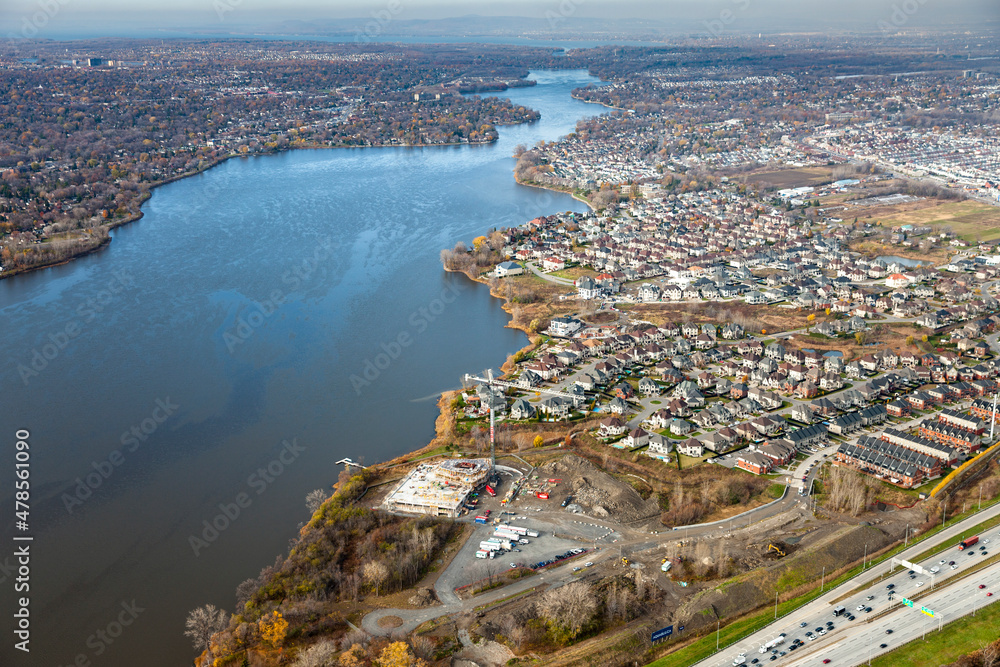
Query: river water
x=185, y=388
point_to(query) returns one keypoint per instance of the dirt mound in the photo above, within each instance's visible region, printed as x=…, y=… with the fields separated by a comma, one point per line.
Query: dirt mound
x=423, y=597
x=390, y=622
x=597, y=492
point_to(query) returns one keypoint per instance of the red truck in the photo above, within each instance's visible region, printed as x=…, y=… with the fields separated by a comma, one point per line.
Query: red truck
x=968, y=542
x=489, y=490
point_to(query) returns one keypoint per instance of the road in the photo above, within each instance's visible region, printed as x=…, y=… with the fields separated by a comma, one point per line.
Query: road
x=862, y=641
x=550, y=278
x=820, y=609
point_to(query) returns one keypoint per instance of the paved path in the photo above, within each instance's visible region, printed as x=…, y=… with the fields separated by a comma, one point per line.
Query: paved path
x=550, y=278
x=553, y=576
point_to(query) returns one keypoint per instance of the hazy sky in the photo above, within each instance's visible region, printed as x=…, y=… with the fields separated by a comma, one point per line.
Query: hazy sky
x=55, y=17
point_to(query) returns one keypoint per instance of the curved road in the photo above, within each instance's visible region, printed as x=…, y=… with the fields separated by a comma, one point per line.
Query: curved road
x=551, y=279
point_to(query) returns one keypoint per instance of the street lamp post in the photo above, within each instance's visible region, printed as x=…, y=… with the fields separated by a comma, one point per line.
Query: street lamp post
x=822, y=579
x=716, y=634
x=775, y=604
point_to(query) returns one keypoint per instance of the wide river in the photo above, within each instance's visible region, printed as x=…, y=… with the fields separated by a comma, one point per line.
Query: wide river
x=208, y=352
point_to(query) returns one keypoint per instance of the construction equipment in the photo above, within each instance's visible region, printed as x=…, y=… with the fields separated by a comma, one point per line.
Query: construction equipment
x=771, y=547
x=624, y=561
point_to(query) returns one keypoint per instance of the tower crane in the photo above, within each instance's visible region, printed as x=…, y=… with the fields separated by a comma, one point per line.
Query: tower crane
x=489, y=380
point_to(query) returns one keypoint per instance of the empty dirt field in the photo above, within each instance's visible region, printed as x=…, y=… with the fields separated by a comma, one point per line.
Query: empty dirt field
x=971, y=220
x=792, y=178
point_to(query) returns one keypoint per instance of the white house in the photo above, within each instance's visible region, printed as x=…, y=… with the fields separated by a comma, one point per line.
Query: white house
x=553, y=264
x=504, y=269
x=896, y=280
x=564, y=326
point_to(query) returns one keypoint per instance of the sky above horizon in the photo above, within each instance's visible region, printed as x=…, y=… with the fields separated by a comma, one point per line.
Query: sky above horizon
x=45, y=18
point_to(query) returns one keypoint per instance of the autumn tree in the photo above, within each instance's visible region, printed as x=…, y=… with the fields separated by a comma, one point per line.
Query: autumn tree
x=397, y=654
x=375, y=573
x=204, y=622
x=273, y=629
x=352, y=657
x=538, y=441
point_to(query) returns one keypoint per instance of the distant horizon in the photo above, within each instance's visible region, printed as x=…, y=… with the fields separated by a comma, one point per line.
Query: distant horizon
x=519, y=19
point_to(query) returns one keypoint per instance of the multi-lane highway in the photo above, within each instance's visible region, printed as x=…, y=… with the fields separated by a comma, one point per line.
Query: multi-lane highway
x=859, y=642
x=844, y=643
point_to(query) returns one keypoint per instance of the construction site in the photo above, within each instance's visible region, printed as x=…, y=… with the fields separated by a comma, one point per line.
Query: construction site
x=438, y=489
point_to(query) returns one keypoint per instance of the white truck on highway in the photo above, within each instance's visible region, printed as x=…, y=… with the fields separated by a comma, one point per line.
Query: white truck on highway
x=778, y=641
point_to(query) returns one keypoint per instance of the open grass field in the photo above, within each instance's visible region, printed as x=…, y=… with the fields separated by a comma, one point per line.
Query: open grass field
x=793, y=178
x=574, y=273
x=940, y=648
x=971, y=220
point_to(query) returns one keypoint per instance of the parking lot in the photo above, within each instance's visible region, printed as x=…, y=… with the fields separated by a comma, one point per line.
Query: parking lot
x=466, y=568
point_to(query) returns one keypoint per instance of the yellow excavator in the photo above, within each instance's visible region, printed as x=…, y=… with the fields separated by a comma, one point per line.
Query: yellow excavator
x=624, y=561
x=771, y=547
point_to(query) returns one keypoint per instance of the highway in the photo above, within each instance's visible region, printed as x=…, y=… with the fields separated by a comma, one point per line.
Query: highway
x=861, y=642
x=819, y=611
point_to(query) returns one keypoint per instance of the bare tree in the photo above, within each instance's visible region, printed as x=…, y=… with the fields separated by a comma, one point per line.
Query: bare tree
x=848, y=491
x=315, y=500
x=513, y=629
x=204, y=622
x=245, y=591
x=571, y=606
x=423, y=647
x=989, y=652
x=354, y=636
x=375, y=573
x=318, y=655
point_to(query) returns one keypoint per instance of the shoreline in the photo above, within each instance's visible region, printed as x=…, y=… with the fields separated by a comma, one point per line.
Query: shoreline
x=138, y=215
x=553, y=188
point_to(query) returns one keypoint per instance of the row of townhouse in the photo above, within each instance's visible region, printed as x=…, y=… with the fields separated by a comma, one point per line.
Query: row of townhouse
x=947, y=454
x=895, y=464
x=985, y=410
x=852, y=421
x=952, y=436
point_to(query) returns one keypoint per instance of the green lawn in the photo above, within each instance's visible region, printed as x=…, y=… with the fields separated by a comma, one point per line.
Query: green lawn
x=940, y=648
